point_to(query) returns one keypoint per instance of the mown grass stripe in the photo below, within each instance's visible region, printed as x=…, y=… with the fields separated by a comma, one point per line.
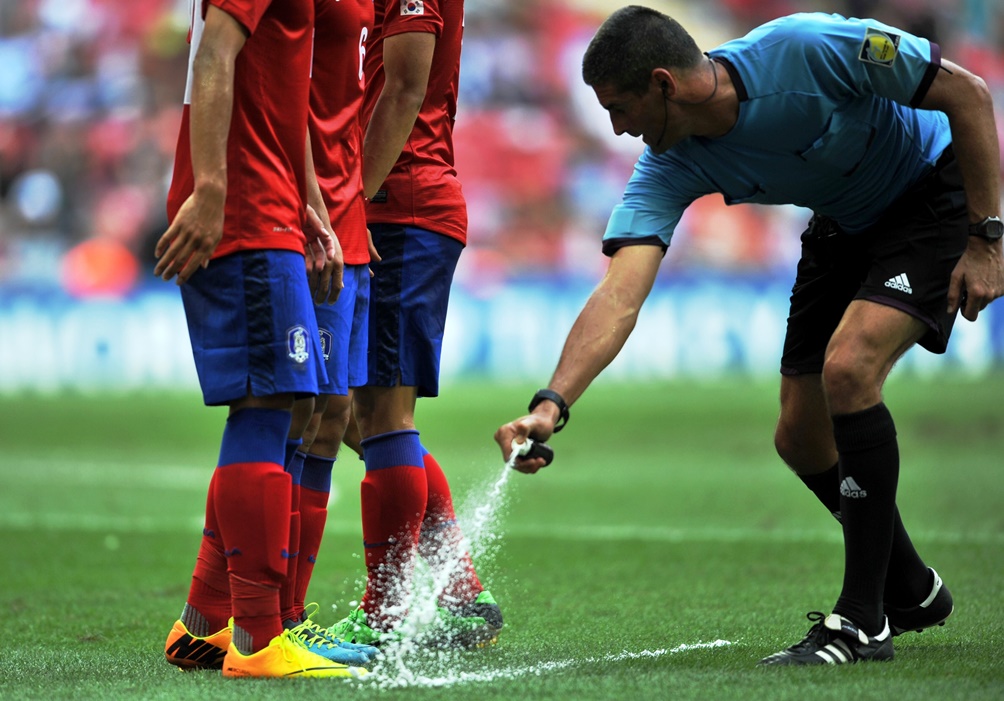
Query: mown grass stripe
x=101, y=523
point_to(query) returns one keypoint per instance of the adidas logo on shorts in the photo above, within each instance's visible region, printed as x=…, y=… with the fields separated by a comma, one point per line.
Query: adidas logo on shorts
x=900, y=282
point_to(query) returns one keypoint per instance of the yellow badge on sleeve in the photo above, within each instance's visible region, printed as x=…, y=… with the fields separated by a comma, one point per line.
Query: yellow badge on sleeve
x=879, y=47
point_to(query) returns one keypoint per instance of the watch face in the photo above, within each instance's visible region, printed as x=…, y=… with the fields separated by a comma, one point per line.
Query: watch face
x=991, y=228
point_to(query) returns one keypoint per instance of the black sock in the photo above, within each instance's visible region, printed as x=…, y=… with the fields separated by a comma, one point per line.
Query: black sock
x=869, y=470
x=908, y=581
x=826, y=487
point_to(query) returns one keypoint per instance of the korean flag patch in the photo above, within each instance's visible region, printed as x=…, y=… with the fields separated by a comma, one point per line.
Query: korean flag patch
x=879, y=47
x=412, y=7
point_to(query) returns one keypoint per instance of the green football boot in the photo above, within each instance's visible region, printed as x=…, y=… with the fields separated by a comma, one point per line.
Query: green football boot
x=354, y=628
x=473, y=625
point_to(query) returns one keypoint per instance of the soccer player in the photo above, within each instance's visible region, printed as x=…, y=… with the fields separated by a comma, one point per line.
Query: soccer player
x=236, y=244
x=895, y=151
x=342, y=28
x=418, y=219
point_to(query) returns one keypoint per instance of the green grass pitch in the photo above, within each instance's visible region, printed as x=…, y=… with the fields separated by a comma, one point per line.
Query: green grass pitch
x=665, y=529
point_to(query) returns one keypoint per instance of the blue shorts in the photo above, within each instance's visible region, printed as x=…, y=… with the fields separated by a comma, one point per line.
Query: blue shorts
x=409, y=293
x=344, y=328
x=252, y=327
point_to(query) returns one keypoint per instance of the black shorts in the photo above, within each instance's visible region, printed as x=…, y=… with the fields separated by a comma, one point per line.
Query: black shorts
x=904, y=261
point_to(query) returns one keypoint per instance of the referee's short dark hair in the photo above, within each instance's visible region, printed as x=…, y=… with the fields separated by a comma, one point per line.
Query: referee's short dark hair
x=633, y=42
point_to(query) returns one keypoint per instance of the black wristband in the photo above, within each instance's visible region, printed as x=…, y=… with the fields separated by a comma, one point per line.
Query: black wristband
x=551, y=395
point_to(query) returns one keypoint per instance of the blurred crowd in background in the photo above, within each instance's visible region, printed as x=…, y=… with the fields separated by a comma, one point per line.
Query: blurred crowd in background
x=91, y=95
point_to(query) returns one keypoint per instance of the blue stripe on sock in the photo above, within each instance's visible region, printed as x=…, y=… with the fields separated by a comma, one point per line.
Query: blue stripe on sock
x=317, y=473
x=377, y=545
x=393, y=449
x=438, y=526
x=255, y=435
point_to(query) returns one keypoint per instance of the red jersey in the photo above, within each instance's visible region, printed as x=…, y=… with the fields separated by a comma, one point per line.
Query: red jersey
x=336, y=132
x=266, y=185
x=422, y=189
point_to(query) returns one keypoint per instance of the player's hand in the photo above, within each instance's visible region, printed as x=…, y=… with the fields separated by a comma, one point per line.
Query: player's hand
x=374, y=255
x=978, y=278
x=533, y=426
x=325, y=263
x=191, y=238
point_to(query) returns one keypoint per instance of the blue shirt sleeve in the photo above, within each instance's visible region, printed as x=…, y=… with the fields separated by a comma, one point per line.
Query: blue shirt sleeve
x=659, y=190
x=825, y=122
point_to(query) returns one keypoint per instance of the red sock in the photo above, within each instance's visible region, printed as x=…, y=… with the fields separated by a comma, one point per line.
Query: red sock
x=441, y=541
x=252, y=501
x=209, y=593
x=287, y=593
x=315, y=488
x=394, y=493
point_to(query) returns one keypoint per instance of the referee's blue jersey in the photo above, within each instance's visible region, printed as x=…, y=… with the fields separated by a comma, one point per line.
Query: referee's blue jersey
x=827, y=121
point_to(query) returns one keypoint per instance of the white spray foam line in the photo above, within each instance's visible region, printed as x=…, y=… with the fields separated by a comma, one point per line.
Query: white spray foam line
x=407, y=662
x=383, y=680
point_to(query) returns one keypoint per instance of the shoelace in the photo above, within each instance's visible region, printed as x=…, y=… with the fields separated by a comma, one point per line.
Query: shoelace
x=353, y=618
x=292, y=639
x=817, y=618
x=309, y=633
x=317, y=630
x=310, y=609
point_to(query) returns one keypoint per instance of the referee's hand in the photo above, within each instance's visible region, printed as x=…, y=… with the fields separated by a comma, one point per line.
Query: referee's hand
x=536, y=426
x=978, y=278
